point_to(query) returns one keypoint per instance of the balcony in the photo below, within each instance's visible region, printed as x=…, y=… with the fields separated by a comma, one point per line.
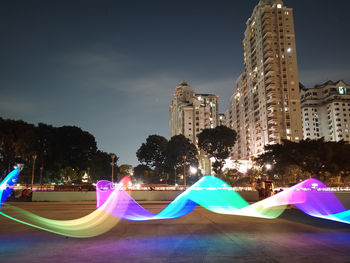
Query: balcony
x=272, y=99
x=270, y=85
x=272, y=122
x=271, y=114
x=269, y=60
x=267, y=43
x=267, y=68
x=267, y=35
x=269, y=80
x=268, y=54
x=270, y=105
x=270, y=73
x=266, y=21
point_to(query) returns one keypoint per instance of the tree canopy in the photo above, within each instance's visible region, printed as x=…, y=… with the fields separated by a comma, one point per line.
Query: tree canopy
x=153, y=153
x=317, y=158
x=217, y=143
x=58, y=151
x=179, y=147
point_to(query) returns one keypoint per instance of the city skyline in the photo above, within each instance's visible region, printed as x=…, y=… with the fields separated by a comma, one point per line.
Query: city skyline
x=112, y=69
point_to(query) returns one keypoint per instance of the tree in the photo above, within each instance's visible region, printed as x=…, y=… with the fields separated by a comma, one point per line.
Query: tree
x=153, y=153
x=124, y=170
x=55, y=148
x=179, y=147
x=74, y=147
x=142, y=173
x=68, y=175
x=217, y=143
x=100, y=166
x=316, y=158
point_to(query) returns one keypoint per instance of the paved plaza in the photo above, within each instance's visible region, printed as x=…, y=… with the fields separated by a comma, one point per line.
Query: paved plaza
x=200, y=236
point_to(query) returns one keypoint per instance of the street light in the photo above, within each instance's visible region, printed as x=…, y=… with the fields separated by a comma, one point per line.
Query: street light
x=41, y=176
x=113, y=157
x=268, y=166
x=34, y=158
x=193, y=170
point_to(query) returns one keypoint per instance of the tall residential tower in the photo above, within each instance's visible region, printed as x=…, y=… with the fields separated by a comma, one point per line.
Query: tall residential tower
x=265, y=108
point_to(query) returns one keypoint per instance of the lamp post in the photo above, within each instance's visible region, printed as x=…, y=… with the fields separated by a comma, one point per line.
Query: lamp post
x=184, y=157
x=34, y=158
x=113, y=157
x=268, y=167
x=41, y=176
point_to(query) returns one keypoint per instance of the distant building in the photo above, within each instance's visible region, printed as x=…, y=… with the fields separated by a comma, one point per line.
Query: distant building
x=235, y=119
x=265, y=108
x=326, y=111
x=222, y=119
x=190, y=113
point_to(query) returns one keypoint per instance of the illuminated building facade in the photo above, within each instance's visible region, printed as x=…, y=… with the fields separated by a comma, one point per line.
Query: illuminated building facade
x=265, y=108
x=326, y=111
x=190, y=113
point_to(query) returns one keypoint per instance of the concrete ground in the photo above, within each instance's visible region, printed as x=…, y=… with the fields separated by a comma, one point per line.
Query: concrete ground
x=201, y=236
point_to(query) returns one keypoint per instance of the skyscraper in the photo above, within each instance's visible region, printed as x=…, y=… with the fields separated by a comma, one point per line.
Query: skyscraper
x=265, y=108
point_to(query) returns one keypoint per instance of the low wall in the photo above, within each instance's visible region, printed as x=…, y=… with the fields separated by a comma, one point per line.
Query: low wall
x=250, y=196
x=63, y=196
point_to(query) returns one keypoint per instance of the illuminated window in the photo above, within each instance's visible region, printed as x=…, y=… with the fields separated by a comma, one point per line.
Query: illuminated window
x=341, y=90
x=279, y=6
x=289, y=50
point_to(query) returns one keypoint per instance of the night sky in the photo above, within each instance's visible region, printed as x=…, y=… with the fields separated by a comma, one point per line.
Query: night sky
x=111, y=67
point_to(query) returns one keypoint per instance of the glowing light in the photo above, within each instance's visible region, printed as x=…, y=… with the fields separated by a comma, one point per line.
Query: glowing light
x=113, y=203
x=268, y=166
x=6, y=186
x=193, y=170
x=93, y=224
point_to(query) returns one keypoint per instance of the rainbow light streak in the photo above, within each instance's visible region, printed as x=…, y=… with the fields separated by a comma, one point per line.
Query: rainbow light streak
x=93, y=224
x=215, y=195
x=114, y=203
x=7, y=185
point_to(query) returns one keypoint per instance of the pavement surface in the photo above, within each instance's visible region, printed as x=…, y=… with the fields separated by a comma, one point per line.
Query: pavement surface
x=200, y=236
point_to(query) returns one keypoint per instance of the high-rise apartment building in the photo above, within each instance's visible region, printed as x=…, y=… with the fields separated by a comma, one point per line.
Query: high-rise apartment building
x=265, y=108
x=326, y=111
x=190, y=113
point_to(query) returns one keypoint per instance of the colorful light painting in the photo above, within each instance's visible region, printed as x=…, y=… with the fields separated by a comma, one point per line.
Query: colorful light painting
x=114, y=203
